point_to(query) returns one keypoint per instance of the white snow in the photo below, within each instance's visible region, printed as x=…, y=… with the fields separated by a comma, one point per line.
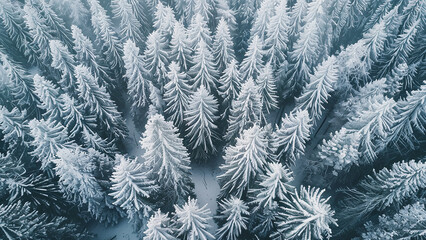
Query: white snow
x=122, y=231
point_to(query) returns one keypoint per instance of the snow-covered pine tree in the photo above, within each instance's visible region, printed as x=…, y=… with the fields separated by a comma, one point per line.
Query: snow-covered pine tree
x=156, y=99
x=49, y=98
x=400, y=50
x=176, y=94
x=273, y=185
x=203, y=72
x=12, y=126
x=341, y=151
x=188, y=11
x=307, y=215
x=130, y=28
x=73, y=11
x=268, y=88
x=55, y=23
x=131, y=187
x=224, y=11
x=39, y=32
x=409, y=222
x=192, y=221
x=409, y=116
x=223, y=46
x=252, y=62
x=205, y=8
x=375, y=40
x=262, y=19
x=381, y=190
x=297, y=14
x=180, y=50
x=243, y=162
x=197, y=31
x=317, y=91
x=164, y=21
x=47, y=139
x=81, y=124
x=99, y=102
x=234, y=212
x=63, y=61
x=106, y=37
x=14, y=24
x=156, y=58
x=245, y=109
x=86, y=54
x=276, y=39
x=75, y=168
x=23, y=86
x=373, y=123
x=166, y=158
x=201, y=128
x=159, y=227
x=302, y=57
x=291, y=137
x=229, y=86
x=137, y=85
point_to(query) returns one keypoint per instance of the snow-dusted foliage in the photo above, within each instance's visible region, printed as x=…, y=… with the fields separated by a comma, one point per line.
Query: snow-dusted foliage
x=261, y=96
x=244, y=161
x=200, y=118
x=131, y=187
x=235, y=214
x=166, y=158
x=191, y=221
x=159, y=227
x=291, y=137
x=306, y=215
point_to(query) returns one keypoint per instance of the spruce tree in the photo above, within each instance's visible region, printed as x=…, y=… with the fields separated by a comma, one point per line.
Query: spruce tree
x=63, y=61
x=164, y=21
x=49, y=98
x=99, y=102
x=203, y=72
x=291, y=137
x=156, y=57
x=201, y=128
x=159, y=227
x=47, y=139
x=262, y=19
x=129, y=25
x=229, y=86
x=267, y=87
x=197, y=31
x=317, y=91
x=131, y=187
x=243, y=162
x=235, y=214
x=276, y=39
x=176, y=95
x=191, y=221
x=223, y=46
x=136, y=75
x=381, y=190
x=252, y=63
x=180, y=50
x=307, y=215
x=12, y=125
x=245, y=109
x=23, y=86
x=166, y=158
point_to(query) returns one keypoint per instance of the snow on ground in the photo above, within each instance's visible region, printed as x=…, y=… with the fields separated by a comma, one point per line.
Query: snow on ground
x=122, y=231
x=206, y=185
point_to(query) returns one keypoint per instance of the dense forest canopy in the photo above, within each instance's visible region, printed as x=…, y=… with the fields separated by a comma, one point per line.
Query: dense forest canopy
x=313, y=112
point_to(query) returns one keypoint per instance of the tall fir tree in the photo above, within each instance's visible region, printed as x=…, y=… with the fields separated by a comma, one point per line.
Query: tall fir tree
x=129, y=24
x=291, y=137
x=63, y=61
x=200, y=117
x=49, y=98
x=245, y=109
x=192, y=221
x=166, y=158
x=137, y=86
x=155, y=58
x=197, y=31
x=268, y=88
x=12, y=125
x=180, y=50
x=243, y=162
x=176, y=94
x=159, y=227
x=252, y=63
x=223, y=46
x=203, y=72
x=235, y=214
x=229, y=86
